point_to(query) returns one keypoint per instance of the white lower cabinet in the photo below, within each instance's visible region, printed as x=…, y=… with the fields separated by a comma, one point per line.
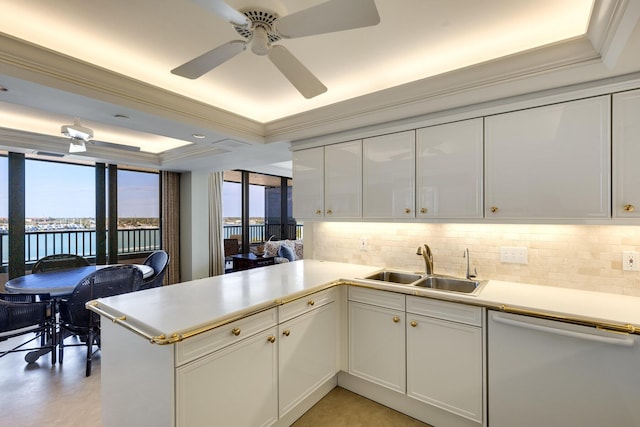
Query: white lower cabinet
x=444, y=357
x=221, y=389
x=377, y=337
x=307, y=356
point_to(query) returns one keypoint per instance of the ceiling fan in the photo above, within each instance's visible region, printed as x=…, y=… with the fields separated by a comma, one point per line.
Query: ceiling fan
x=260, y=28
x=80, y=135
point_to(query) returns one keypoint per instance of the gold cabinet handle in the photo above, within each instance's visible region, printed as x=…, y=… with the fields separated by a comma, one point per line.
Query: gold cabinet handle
x=318, y=212
x=235, y=331
x=311, y=302
x=494, y=209
x=396, y=319
x=414, y=323
x=271, y=339
x=423, y=210
x=628, y=208
x=407, y=210
x=286, y=332
x=329, y=211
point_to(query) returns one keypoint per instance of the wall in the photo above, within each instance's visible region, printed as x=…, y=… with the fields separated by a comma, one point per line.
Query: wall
x=574, y=256
x=194, y=226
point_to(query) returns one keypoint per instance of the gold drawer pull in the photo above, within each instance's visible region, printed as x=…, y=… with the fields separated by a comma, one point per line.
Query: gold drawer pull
x=423, y=210
x=629, y=208
x=235, y=331
x=286, y=332
x=311, y=302
x=407, y=210
x=414, y=323
x=271, y=339
x=396, y=319
x=329, y=211
x=494, y=209
x=318, y=212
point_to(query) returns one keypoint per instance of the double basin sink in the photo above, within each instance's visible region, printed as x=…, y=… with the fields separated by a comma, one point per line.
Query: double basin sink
x=430, y=281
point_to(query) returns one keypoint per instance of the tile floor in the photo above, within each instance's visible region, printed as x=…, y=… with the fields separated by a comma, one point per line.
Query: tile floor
x=61, y=396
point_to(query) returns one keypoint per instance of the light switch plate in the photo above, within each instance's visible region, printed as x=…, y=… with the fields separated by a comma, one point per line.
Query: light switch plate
x=513, y=255
x=631, y=261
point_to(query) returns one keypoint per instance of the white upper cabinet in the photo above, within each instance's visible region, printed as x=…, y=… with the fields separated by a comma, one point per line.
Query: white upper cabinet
x=626, y=153
x=449, y=175
x=549, y=162
x=328, y=181
x=343, y=180
x=308, y=183
x=389, y=176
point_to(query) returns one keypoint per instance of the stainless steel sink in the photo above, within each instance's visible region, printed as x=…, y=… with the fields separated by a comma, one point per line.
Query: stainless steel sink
x=399, y=277
x=451, y=284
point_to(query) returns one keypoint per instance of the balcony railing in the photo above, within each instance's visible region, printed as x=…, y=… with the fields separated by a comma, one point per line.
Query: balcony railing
x=261, y=232
x=131, y=241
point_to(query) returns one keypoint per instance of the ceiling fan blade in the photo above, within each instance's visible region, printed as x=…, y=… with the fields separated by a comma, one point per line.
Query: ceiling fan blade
x=209, y=60
x=329, y=17
x=114, y=145
x=224, y=11
x=299, y=76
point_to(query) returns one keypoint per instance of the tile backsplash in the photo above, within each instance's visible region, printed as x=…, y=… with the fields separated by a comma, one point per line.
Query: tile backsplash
x=585, y=257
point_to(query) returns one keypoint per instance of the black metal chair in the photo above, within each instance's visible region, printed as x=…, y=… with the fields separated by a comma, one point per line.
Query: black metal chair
x=21, y=315
x=59, y=262
x=75, y=319
x=159, y=261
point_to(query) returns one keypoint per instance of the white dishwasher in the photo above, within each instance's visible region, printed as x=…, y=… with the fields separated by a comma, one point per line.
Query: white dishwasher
x=555, y=374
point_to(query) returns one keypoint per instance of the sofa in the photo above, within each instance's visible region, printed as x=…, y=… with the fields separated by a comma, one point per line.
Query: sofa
x=292, y=250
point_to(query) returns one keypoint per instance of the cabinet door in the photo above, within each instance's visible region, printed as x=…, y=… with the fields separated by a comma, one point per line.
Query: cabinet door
x=389, y=176
x=377, y=345
x=549, y=162
x=235, y=386
x=449, y=174
x=307, y=356
x=343, y=180
x=444, y=365
x=626, y=152
x=308, y=176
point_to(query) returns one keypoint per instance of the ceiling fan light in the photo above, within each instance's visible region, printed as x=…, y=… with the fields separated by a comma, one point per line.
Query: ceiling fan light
x=260, y=41
x=77, y=146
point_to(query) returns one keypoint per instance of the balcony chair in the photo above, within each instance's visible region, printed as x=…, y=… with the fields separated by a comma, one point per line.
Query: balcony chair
x=75, y=319
x=159, y=261
x=21, y=315
x=59, y=262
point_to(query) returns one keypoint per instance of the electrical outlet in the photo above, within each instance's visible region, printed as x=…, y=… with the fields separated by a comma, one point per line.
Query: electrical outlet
x=513, y=255
x=364, y=245
x=631, y=261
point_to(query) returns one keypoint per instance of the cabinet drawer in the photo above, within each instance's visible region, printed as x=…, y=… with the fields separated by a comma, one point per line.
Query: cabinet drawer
x=445, y=310
x=215, y=339
x=375, y=297
x=305, y=304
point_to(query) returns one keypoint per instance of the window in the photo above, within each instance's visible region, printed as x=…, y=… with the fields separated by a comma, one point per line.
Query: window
x=138, y=211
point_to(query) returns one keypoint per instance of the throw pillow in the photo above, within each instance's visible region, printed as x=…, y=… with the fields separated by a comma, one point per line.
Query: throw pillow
x=286, y=252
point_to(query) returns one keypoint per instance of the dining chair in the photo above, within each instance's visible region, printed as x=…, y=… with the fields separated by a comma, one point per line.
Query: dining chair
x=75, y=319
x=24, y=317
x=59, y=262
x=159, y=261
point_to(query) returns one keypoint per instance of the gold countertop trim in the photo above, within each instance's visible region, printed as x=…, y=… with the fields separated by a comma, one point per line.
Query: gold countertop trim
x=177, y=337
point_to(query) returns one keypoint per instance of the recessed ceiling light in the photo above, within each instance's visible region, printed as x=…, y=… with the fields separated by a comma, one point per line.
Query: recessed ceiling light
x=3, y=89
x=199, y=136
x=121, y=116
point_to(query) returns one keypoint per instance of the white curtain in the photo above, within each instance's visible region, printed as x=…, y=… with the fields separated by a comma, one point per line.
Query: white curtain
x=216, y=253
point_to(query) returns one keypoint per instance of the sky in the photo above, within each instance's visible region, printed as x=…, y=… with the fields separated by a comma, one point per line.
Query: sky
x=232, y=200
x=68, y=191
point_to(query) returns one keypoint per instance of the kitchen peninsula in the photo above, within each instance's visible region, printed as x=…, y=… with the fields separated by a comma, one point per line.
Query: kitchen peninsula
x=260, y=347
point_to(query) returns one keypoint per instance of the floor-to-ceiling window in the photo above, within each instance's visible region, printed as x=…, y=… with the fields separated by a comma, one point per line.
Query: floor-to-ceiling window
x=257, y=207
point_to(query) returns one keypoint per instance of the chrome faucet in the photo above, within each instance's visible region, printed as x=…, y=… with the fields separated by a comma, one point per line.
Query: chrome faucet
x=475, y=271
x=428, y=258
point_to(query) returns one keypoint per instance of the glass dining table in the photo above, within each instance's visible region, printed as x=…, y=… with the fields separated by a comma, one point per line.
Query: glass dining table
x=56, y=284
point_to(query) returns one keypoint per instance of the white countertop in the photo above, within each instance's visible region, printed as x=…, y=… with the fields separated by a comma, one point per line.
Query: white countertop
x=184, y=307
